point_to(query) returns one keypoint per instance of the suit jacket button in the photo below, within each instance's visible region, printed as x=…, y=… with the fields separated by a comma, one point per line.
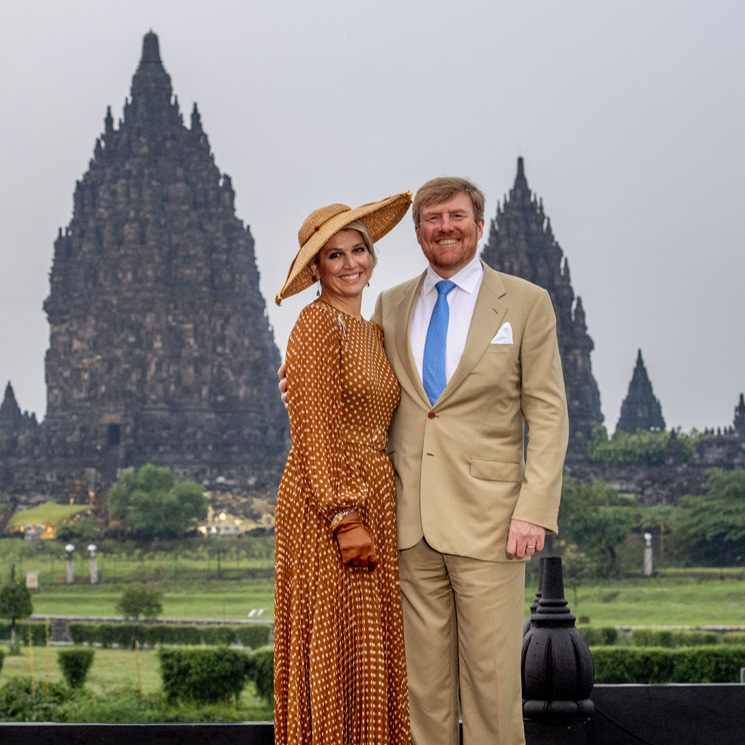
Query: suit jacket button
x=431, y=415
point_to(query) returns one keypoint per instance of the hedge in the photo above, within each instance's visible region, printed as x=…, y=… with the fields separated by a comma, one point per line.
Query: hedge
x=734, y=637
x=599, y=635
x=263, y=673
x=151, y=635
x=38, y=632
x=669, y=638
x=204, y=675
x=75, y=664
x=607, y=636
x=651, y=665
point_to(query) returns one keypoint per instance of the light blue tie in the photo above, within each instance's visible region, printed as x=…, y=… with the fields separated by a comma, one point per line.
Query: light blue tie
x=433, y=365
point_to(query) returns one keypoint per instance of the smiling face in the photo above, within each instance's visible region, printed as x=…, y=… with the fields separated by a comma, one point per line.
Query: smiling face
x=344, y=266
x=449, y=234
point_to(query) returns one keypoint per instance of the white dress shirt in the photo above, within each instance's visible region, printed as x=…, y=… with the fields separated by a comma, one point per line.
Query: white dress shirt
x=461, y=301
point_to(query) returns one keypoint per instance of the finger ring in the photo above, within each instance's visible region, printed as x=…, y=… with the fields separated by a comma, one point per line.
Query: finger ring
x=531, y=546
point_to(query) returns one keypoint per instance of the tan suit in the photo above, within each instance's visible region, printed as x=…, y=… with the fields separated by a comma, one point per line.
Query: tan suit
x=461, y=477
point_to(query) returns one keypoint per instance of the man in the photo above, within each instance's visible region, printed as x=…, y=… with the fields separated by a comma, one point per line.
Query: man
x=471, y=508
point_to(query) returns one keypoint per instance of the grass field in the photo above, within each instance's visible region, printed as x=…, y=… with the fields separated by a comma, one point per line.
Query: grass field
x=658, y=601
x=224, y=601
x=121, y=677
x=228, y=579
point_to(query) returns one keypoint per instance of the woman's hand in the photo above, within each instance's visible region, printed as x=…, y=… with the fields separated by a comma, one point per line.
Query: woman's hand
x=282, y=385
x=355, y=543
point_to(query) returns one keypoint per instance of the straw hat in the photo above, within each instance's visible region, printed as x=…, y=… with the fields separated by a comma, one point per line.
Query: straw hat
x=321, y=225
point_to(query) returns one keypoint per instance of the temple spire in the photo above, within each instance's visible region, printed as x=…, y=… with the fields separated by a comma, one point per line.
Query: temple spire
x=522, y=242
x=150, y=48
x=9, y=410
x=640, y=408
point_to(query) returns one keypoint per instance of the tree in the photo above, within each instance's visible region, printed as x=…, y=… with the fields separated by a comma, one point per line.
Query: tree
x=15, y=603
x=712, y=526
x=140, y=600
x=152, y=503
x=597, y=519
x=643, y=448
x=576, y=567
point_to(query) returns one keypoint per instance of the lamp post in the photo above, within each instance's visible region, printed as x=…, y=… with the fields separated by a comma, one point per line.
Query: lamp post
x=93, y=564
x=69, y=564
x=648, y=555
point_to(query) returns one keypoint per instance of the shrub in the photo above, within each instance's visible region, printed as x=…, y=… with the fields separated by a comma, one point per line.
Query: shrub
x=668, y=638
x=599, y=635
x=2, y=658
x=75, y=664
x=253, y=636
x=123, y=635
x=37, y=628
x=734, y=637
x=20, y=702
x=263, y=674
x=204, y=675
x=651, y=665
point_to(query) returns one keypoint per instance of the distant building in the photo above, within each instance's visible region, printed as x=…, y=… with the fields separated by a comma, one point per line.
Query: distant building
x=640, y=409
x=160, y=349
x=522, y=243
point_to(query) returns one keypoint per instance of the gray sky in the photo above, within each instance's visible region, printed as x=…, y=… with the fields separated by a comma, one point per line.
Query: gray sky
x=630, y=115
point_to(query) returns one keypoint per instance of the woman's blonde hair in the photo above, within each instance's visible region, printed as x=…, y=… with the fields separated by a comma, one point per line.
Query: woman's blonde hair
x=364, y=231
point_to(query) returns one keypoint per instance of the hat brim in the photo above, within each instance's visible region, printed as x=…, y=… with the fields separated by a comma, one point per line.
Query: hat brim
x=380, y=217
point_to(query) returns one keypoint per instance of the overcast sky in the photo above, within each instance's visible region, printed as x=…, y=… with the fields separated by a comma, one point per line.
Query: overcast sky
x=630, y=115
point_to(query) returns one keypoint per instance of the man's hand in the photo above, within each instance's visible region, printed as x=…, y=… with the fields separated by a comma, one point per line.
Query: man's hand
x=282, y=385
x=355, y=543
x=524, y=539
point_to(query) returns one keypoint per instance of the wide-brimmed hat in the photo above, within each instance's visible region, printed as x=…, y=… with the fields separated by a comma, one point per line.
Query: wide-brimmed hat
x=322, y=224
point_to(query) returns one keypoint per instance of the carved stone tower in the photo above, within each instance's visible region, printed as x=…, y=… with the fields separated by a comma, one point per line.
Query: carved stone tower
x=522, y=243
x=739, y=423
x=160, y=348
x=640, y=409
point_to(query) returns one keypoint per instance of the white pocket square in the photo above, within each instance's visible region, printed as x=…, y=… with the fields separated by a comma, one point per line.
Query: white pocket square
x=504, y=335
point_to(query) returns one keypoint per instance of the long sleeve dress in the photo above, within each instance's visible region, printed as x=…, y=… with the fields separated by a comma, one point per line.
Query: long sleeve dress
x=339, y=665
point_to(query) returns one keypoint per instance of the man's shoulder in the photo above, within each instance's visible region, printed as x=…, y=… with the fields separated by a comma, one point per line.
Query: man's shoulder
x=404, y=288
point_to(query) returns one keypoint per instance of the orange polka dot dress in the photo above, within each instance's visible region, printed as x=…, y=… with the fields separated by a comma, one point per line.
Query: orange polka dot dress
x=339, y=665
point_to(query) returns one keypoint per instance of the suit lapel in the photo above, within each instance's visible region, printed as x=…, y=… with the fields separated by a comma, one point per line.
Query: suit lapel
x=405, y=312
x=490, y=308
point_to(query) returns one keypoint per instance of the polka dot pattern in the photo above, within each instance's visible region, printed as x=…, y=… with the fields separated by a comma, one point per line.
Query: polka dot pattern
x=339, y=665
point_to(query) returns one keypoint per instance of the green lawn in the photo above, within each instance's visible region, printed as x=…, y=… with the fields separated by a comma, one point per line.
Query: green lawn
x=227, y=579
x=49, y=512
x=227, y=601
x=659, y=601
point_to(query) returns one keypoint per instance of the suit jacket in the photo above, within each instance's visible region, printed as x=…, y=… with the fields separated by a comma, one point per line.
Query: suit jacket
x=461, y=468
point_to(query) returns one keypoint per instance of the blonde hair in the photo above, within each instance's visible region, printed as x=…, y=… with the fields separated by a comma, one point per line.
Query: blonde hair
x=442, y=189
x=361, y=227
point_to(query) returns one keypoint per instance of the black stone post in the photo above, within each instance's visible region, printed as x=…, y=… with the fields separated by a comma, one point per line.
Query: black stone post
x=557, y=668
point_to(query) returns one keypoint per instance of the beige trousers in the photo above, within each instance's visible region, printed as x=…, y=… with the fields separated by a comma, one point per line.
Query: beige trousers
x=463, y=630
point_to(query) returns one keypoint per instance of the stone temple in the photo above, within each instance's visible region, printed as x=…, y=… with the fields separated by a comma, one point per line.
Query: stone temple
x=159, y=347
x=640, y=409
x=521, y=242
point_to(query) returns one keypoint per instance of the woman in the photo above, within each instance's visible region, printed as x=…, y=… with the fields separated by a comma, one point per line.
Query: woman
x=339, y=666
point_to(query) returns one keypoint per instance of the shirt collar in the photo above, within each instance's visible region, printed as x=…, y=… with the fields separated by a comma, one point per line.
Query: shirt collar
x=466, y=278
